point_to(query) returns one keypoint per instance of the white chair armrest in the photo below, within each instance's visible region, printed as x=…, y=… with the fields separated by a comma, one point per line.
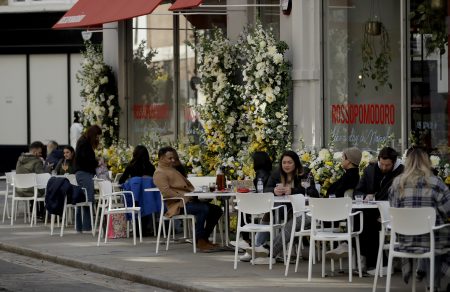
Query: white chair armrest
x=284, y=212
x=441, y=226
x=178, y=199
x=360, y=221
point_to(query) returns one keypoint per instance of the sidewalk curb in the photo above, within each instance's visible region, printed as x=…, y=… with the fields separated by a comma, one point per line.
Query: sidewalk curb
x=99, y=269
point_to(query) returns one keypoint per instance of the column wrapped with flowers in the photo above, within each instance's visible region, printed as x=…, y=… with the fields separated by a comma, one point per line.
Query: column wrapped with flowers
x=100, y=103
x=221, y=112
x=266, y=87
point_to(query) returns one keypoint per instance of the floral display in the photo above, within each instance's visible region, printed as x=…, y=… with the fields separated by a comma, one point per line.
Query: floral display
x=267, y=84
x=100, y=103
x=117, y=156
x=245, y=86
x=326, y=169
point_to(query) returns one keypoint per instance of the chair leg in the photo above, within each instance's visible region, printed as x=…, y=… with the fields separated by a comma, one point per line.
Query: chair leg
x=388, y=276
x=5, y=206
x=271, y=249
x=194, y=238
x=431, y=272
x=108, y=222
x=100, y=227
x=413, y=274
x=350, y=264
x=92, y=219
x=236, y=248
x=379, y=260
x=99, y=203
x=323, y=259
x=291, y=242
x=298, y=253
x=161, y=222
x=140, y=226
x=168, y=234
x=33, y=214
x=358, y=254
x=154, y=223
x=312, y=253
x=12, y=211
x=134, y=227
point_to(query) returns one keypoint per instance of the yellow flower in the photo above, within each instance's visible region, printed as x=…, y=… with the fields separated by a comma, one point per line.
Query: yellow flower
x=306, y=157
x=329, y=163
x=447, y=180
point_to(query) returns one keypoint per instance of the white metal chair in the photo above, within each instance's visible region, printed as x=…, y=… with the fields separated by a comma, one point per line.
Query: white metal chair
x=410, y=222
x=383, y=207
x=256, y=204
x=299, y=210
x=23, y=181
x=41, y=183
x=162, y=218
x=110, y=207
x=7, y=193
x=332, y=210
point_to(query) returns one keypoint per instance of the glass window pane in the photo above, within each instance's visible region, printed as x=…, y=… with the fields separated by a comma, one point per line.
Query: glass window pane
x=360, y=66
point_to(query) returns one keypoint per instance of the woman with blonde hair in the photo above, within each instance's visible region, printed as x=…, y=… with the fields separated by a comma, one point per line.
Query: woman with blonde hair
x=418, y=187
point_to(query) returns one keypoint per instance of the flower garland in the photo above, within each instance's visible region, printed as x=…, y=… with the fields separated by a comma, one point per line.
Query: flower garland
x=267, y=85
x=99, y=93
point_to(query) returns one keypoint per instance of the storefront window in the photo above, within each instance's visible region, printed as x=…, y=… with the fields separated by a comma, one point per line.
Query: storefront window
x=429, y=80
x=152, y=105
x=362, y=73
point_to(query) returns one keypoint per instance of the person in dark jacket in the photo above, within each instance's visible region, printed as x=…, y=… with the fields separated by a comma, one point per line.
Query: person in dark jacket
x=262, y=165
x=374, y=183
x=54, y=155
x=351, y=157
x=140, y=165
x=286, y=179
x=85, y=165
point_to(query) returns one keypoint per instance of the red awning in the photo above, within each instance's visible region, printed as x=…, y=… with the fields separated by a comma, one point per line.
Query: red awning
x=86, y=13
x=185, y=4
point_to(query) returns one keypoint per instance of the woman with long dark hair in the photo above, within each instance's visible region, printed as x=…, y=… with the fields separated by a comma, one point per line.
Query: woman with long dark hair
x=262, y=165
x=66, y=165
x=85, y=165
x=287, y=178
x=140, y=165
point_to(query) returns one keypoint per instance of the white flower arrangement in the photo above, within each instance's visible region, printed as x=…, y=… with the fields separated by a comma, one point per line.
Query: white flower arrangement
x=99, y=92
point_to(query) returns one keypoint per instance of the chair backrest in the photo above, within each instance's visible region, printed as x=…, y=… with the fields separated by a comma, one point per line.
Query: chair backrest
x=255, y=203
x=383, y=207
x=298, y=202
x=412, y=221
x=25, y=180
x=199, y=181
x=326, y=209
x=105, y=187
x=42, y=180
x=117, y=177
x=9, y=178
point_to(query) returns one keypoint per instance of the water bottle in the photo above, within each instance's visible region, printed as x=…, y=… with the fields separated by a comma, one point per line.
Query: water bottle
x=260, y=186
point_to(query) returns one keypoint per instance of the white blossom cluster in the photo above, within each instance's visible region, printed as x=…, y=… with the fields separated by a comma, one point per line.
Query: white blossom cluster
x=100, y=105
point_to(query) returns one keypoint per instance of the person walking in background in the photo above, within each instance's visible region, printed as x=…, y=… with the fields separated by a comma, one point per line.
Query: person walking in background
x=418, y=187
x=66, y=165
x=85, y=165
x=76, y=129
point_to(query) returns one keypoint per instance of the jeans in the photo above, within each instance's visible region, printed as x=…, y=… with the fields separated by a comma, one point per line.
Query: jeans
x=206, y=217
x=83, y=218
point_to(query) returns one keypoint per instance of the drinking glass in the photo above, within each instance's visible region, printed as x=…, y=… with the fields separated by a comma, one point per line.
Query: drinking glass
x=305, y=183
x=359, y=199
x=332, y=196
x=212, y=187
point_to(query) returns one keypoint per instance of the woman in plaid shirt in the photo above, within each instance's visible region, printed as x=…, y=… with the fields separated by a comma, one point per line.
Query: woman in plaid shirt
x=419, y=187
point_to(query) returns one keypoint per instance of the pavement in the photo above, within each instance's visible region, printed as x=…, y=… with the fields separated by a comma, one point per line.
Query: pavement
x=177, y=269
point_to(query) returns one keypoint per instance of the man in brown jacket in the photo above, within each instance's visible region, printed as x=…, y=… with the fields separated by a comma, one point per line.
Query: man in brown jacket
x=173, y=184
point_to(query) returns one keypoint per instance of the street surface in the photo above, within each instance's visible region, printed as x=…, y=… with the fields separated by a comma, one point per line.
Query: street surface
x=19, y=273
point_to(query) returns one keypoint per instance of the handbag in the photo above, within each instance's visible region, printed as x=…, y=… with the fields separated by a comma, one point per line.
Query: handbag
x=118, y=226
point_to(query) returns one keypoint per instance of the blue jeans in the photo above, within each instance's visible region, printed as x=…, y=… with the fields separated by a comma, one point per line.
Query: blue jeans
x=85, y=180
x=206, y=217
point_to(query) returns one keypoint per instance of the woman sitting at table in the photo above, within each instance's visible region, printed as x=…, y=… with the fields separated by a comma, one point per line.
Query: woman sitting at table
x=418, y=187
x=66, y=164
x=287, y=178
x=140, y=165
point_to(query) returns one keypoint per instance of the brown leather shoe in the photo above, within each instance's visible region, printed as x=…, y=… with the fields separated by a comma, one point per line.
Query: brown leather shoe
x=204, y=245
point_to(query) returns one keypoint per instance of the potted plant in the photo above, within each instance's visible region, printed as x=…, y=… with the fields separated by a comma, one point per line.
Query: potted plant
x=375, y=54
x=430, y=19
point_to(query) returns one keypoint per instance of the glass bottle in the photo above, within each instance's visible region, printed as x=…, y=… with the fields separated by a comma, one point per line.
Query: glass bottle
x=220, y=180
